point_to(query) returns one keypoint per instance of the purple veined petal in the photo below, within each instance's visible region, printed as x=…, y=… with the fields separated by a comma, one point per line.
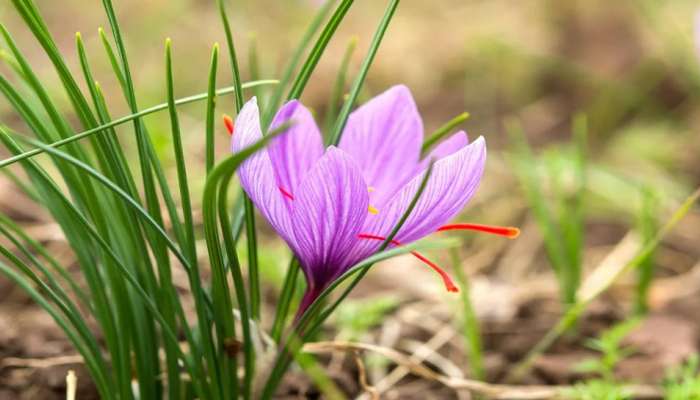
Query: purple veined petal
x=327, y=214
x=384, y=136
x=295, y=151
x=451, y=185
x=256, y=174
x=448, y=146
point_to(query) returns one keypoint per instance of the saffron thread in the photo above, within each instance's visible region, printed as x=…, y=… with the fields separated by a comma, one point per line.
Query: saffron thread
x=449, y=284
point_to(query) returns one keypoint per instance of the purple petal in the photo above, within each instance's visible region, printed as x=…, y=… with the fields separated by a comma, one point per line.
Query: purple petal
x=452, y=183
x=448, y=146
x=256, y=174
x=384, y=136
x=328, y=213
x=295, y=151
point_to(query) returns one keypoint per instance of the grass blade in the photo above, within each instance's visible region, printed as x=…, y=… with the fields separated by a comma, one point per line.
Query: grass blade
x=470, y=323
x=339, y=86
x=211, y=108
x=276, y=98
x=443, y=131
x=317, y=51
x=249, y=210
x=128, y=118
x=364, y=68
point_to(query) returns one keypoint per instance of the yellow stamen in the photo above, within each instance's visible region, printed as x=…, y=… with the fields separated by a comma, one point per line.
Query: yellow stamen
x=372, y=210
x=371, y=189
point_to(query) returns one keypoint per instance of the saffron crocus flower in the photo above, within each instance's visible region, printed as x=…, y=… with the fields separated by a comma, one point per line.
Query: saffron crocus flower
x=335, y=206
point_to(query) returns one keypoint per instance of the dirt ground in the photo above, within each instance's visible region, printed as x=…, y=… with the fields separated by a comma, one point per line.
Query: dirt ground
x=35, y=356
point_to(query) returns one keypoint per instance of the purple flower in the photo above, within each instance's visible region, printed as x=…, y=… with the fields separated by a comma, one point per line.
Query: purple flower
x=335, y=206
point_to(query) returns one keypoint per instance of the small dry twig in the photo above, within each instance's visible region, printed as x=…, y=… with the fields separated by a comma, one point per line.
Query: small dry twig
x=40, y=363
x=371, y=390
x=492, y=391
x=71, y=385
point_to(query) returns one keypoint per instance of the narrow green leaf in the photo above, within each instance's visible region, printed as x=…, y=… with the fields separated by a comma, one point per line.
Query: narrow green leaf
x=470, y=322
x=119, y=121
x=251, y=236
x=182, y=180
x=293, y=63
x=317, y=51
x=211, y=108
x=254, y=65
x=339, y=86
x=364, y=68
x=443, y=131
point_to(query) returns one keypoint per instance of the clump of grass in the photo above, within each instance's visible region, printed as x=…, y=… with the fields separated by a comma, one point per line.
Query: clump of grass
x=683, y=382
x=554, y=186
x=129, y=230
x=647, y=225
x=597, y=390
x=608, y=344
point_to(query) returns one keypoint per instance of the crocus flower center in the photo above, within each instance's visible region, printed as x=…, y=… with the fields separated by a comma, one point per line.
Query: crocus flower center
x=371, y=209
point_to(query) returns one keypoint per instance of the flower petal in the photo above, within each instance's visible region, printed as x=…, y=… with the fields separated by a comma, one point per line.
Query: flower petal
x=328, y=213
x=452, y=183
x=295, y=151
x=384, y=136
x=448, y=146
x=256, y=174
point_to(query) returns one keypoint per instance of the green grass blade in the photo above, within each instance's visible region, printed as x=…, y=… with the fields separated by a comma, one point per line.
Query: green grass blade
x=190, y=249
x=232, y=56
x=254, y=65
x=276, y=97
x=573, y=313
x=470, y=323
x=441, y=132
x=647, y=226
x=33, y=20
x=113, y=61
x=224, y=321
x=100, y=241
x=54, y=291
x=211, y=108
x=364, y=68
x=317, y=51
x=101, y=383
x=249, y=210
x=285, y=300
x=339, y=86
x=128, y=118
x=36, y=247
x=525, y=166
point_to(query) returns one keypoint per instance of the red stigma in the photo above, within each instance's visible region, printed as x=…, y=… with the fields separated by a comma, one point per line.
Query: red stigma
x=449, y=284
x=228, y=122
x=507, y=231
x=286, y=193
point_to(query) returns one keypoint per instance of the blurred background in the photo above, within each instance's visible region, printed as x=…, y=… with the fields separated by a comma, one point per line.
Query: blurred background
x=591, y=112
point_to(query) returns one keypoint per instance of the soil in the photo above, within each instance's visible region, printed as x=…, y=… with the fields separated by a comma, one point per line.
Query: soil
x=35, y=356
